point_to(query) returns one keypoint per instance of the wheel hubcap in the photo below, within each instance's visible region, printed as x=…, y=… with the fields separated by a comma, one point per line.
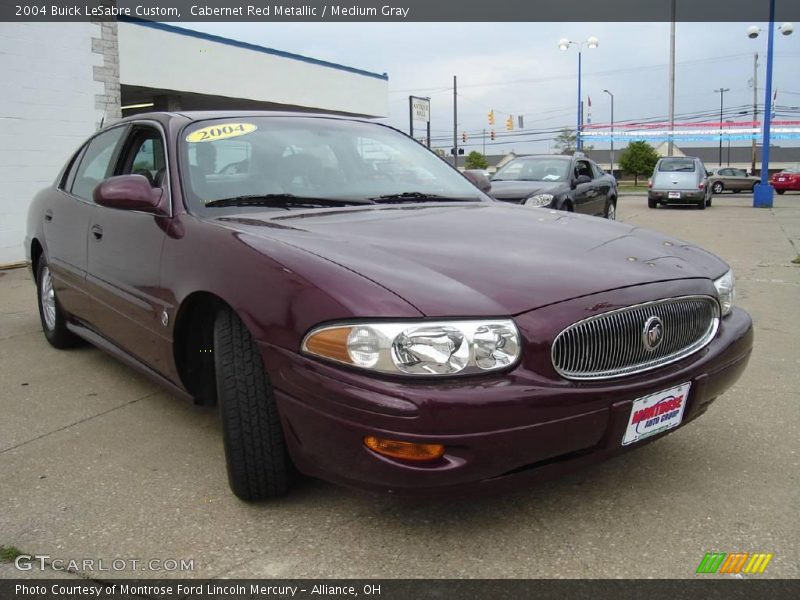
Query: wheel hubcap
x=717, y=188
x=47, y=296
x=612, y=212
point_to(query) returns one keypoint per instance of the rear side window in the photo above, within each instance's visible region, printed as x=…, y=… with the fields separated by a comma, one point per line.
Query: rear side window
x=96, y=162
x=677, y=164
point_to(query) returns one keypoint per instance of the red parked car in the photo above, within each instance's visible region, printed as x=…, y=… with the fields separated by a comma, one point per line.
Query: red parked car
x=362, y=313
x=786, y=180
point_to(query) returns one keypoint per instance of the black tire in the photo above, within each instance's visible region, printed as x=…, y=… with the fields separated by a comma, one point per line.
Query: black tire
x=702, y=205
x=51, y=315
x=717, y=187
x=708, y=201
x=780, y=192
x=255, y=449
x=611, y=210
x=651, y=203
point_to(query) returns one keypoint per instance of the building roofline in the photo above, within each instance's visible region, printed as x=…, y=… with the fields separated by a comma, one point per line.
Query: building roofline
x=248, y=46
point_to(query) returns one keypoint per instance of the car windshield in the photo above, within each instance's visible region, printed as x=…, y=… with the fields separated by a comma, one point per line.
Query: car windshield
x=677, y=164
x=278, y=163
x=537, y=168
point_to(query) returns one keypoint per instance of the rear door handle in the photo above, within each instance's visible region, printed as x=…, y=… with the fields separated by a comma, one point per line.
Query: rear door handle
x=48, y=215
x=97, y=232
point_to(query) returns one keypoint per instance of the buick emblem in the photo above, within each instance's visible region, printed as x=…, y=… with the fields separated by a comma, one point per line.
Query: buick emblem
x=652, y=333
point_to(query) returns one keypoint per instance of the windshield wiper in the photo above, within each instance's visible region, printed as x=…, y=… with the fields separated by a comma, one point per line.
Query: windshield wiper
x=283, y=200
x=414, y=197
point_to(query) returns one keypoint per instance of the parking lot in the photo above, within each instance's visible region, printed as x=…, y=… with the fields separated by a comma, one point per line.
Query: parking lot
x=96, y=462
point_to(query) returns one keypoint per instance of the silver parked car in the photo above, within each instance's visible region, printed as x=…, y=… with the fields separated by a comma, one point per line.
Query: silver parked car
x=679, y=180
x=732, y=180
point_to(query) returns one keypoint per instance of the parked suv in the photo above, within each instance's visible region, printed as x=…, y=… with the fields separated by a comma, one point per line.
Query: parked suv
x=571, y=183
x=677, y=180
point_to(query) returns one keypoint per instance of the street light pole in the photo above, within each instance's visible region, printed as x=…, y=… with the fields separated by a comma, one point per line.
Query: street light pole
x=612, y=130
x=721, y=92
x=763, y=193
x=564, y=44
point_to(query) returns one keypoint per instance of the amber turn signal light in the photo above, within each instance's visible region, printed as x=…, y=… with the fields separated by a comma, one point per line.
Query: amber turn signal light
x=404, y=450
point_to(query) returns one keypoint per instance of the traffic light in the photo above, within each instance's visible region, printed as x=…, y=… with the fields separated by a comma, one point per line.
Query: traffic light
x=510, y=123
x=491, y=117
x=464, y=137
x=492, y=135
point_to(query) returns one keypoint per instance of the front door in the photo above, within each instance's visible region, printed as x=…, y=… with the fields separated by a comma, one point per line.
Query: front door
x=125, y=258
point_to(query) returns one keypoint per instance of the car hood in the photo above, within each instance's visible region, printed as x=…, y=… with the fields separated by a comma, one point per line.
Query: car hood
x=503, y=190
x=481, y=259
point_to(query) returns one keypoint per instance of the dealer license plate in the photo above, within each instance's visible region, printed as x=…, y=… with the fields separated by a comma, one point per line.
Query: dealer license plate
x=656, y=413
x=781, y=178
x=674, y=194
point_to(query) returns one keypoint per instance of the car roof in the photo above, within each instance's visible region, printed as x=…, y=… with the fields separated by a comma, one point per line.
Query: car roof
x=202, y=115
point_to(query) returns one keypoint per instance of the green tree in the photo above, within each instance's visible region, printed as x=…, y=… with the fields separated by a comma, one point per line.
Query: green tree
x=476, y=160
x=639, y=158
x=565, y=141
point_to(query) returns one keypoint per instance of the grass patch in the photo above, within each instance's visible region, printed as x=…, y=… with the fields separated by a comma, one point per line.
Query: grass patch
x=9, y=554
x=796, y=261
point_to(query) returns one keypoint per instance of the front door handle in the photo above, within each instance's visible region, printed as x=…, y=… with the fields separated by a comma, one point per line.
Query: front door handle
x=97, y=232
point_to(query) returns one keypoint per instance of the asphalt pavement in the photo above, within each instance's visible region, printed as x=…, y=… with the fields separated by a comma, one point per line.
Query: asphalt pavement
x=98, y=463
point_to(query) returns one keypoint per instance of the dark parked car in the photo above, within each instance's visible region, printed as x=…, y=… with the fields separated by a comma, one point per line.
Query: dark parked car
x=402, y=333
x=681, y=180
x=787, y=180
x=571, y=183
x=730, y=179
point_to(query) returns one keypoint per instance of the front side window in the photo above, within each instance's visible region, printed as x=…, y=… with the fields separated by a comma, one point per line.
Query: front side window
x=96, y=165
x=582, y=168
x=308, y=157
x=534, y=168
x=144, y=155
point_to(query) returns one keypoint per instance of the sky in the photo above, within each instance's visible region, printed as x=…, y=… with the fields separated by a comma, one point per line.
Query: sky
x=518, y=69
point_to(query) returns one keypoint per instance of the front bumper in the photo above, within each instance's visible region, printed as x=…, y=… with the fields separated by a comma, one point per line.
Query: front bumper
x=498, y=431
x=687, y=197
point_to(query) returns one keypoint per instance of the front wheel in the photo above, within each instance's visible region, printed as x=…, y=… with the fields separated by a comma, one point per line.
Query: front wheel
x=255, y=450
x=717, y=187
x=611, y=210
x=52, y=316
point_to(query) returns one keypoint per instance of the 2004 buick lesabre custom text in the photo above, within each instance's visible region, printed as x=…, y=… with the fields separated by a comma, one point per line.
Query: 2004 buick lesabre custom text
x=361, y=312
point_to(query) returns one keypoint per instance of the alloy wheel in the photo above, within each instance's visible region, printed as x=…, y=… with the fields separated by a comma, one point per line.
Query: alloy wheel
x=47, y=296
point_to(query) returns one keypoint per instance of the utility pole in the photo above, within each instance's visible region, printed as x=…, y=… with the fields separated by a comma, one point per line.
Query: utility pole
x=670, y=144
x=721, y=91
x=484, y=142
x=455, y=122
x=755, y=110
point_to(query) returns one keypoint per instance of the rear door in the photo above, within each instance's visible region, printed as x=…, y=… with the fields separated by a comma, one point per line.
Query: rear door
x=66, y=221
x=125, y=256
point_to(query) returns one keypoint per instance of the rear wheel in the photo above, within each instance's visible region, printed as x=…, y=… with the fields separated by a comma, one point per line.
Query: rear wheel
x=708, y=201
x=652, y=203
x=255, y=449
x=717, y=187
x=780, y=192
x=53, y=318
x=702, y=205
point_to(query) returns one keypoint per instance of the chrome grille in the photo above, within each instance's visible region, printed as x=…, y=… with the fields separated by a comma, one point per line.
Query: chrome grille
x=613, y=344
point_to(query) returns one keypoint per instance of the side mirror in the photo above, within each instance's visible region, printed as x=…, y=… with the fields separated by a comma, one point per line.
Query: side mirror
x=479, y=180
x=583, y=179
x=129, y=192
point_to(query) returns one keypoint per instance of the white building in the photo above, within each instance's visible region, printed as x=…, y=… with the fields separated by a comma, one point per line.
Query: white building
x=62, y=80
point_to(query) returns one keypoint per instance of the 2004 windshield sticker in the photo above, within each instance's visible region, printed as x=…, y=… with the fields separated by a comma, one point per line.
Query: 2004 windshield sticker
x=220, y=132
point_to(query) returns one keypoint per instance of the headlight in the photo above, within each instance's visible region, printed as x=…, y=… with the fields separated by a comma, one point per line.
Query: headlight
x=419, y=348
x=726, y=291
x=539, y=200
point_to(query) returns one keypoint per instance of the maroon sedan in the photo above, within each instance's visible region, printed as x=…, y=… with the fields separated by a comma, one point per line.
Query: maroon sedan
x=362, y=313
x=787, y=180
